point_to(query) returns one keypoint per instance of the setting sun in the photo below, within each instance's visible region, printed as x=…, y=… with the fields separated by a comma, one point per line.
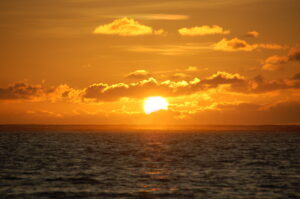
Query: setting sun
x=153, y=104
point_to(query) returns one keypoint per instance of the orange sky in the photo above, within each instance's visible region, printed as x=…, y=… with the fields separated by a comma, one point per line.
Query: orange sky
x=95, y=61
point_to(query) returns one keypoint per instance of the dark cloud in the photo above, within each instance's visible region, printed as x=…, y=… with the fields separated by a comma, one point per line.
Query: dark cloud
x=94, y=90
x=20, y=90
x=294, y=54
x=275, y=62
x=296, y=77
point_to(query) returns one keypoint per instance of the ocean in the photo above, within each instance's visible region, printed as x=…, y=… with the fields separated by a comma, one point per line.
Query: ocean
x=48, y=161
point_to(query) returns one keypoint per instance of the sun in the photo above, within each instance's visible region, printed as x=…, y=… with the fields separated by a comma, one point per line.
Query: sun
x=153, y=104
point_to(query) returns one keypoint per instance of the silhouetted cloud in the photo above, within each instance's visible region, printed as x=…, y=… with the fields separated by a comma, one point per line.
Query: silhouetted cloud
x=296, y=77
x=21, y=90
x=294, y=54
x=126, y=27
x=25, y=91
x=275, y=62
x=203, y=30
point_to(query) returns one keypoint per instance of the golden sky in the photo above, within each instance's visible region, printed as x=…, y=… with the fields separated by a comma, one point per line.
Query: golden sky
x=96, y=61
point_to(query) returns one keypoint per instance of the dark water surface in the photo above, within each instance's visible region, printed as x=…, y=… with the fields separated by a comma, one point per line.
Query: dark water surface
x=78, y=162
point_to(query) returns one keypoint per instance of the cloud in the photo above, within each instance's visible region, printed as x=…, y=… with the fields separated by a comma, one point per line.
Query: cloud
x=126, y=27
x=296, y=77
x=104, y=92
x=192, y=69
x=174, y=87
x=203, y=30
x=21, y=90
x=223, y=78
x=207, y=100
x=275, y=62
x=260, y=85
x=138, y=74
x=294, y=54
x=231, y=45
x=183, y=49
x=236, y=44
x=252, y=34
x=234, y=83
x=25, y=91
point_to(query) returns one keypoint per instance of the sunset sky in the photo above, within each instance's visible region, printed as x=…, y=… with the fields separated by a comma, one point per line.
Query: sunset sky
x=96, y=61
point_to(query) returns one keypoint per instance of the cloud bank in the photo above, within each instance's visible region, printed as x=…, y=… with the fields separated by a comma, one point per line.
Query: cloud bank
x=225, y=82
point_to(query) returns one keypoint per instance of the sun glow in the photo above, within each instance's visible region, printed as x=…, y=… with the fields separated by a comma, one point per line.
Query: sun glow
x=153, y=104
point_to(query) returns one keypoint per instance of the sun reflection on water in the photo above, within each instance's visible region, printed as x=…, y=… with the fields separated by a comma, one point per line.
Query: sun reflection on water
x=156, y=171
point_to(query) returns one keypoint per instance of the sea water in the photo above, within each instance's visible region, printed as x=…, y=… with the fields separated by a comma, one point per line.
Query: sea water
x=120, y=162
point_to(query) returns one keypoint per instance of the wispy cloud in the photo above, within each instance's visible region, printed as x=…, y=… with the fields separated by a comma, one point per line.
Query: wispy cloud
x=138, y=74
x=252, y=34
x=203, y=30
x=190, y=48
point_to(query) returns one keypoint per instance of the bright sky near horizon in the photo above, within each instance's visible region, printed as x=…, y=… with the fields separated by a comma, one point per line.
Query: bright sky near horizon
x=95, y=61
